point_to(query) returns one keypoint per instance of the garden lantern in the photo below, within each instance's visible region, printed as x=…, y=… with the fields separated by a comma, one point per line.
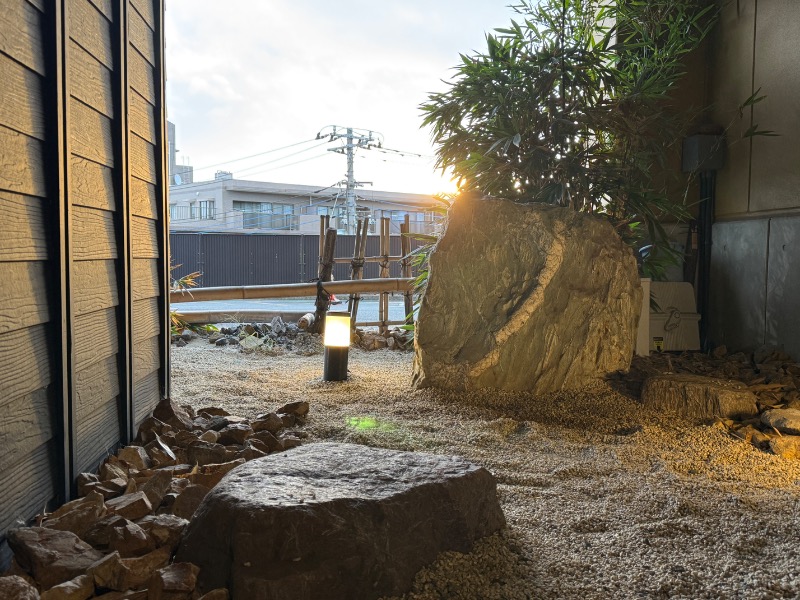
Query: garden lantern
x=337, y=345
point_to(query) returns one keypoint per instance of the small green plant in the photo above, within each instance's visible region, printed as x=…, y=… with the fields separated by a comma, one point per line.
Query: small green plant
x=176, y=323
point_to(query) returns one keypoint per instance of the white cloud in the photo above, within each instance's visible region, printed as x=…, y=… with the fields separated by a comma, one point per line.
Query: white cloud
x=249, y=76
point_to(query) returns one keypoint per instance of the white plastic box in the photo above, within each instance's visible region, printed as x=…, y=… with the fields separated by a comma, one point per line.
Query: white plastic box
x=675, y=327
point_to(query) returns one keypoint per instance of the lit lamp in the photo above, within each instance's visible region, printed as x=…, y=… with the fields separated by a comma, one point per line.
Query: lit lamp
x=337, y=345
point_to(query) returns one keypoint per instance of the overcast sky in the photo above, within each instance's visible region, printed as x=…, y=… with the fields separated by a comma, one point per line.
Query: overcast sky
x=249, y=76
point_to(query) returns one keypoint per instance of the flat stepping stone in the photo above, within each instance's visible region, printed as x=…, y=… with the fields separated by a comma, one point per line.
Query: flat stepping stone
x=337, y=521
x=699, y=397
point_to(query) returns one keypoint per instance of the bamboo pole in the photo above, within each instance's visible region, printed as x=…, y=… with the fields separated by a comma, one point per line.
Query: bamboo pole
x=367, y=259
x=290, y=290
x=405, y=268
x=383, y=304
x=323, y=227
x=357, y=269
x=323, y=301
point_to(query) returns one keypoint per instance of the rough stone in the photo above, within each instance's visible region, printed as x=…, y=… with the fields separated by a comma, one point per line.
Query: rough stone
x=131, y=506
x=160, y=452
x=130, y=540
x=166, y=530
x=136, y=456
x=17, y=588
x=135, y=573
x=188, y=500
x=205, y=453
x=268, y=422
x=235, y=434
x=113, y=469
x=786, y=446
x=363, y=522
x=785, y=420
x=51, y=556
x=156, y=487
x=83, y=480
x=699, y=397
x=171, y=413
x=525, y=297
x=173, y=581
x=80, y=588
x=211, y=475
x=79, y=515
x=150, y=428
x=272, y=443
x=299, y=408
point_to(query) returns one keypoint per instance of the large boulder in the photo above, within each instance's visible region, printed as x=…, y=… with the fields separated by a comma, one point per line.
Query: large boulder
x=525, y=297
x=336, y=521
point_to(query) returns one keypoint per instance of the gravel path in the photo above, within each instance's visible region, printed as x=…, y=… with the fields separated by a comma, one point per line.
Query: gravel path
x=603, y=498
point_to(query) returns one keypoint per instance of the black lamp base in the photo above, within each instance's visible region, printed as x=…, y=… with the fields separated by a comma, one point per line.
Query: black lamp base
x=335, y=363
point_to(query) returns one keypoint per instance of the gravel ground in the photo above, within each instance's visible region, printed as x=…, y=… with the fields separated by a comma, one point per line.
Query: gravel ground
x=603, y=498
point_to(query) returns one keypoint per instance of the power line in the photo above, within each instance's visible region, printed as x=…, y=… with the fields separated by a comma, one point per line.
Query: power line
x=227, y=162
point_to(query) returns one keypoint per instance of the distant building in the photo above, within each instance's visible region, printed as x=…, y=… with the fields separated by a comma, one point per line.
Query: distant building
x=178, y=174
x=239, y=206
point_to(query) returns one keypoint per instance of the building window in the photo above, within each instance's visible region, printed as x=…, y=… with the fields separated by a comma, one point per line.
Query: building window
x=266, y=215
x=207, y=210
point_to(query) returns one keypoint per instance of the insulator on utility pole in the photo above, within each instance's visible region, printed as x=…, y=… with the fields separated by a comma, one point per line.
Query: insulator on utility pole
x=354, y=139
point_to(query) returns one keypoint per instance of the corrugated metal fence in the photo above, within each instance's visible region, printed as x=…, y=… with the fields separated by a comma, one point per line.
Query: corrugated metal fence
x=226, y=259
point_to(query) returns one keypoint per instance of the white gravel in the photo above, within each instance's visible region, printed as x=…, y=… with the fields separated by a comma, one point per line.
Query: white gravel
x=603, y=498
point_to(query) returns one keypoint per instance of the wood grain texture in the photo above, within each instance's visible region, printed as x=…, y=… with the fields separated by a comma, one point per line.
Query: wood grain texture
x=142, y=118
x=141, y=36
x=21, y=108
x=144, y=238
x=21, y=163
x=24, y=236
x=27, y=486
x=95, y=385
x=144, y=201
x=143, y=159
x=23, y=295
x=90, y=134
x=21, y=34
x=146, y=394
x=26, y=425
x=146, y=357
x=25, y=357
x=91, y=184
x=145, y=319
x=141, y=76
x=91, y=80
x=91, y=30
x=93, y=234
x=104, y=6
x=144, y=279
x=146, y=8
x=96, y=337
x=95, y=286
x=98, y=435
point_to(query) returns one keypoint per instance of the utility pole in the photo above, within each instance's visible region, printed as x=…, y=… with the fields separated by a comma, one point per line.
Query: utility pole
x=354, y=139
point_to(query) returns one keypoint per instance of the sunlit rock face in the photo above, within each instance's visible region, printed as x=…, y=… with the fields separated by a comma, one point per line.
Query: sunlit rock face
x=525, y=297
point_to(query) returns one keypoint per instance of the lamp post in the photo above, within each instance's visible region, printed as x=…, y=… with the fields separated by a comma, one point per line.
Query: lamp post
x=337, y=345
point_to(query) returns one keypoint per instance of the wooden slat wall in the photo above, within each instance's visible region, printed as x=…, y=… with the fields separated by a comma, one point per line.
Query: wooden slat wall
x=94, y=232
x=146, y=251
x=82, y=194
x=27, y=438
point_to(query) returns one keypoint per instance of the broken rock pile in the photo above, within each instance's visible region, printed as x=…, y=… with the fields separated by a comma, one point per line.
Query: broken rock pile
x=754, y=397
x=117, y=540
